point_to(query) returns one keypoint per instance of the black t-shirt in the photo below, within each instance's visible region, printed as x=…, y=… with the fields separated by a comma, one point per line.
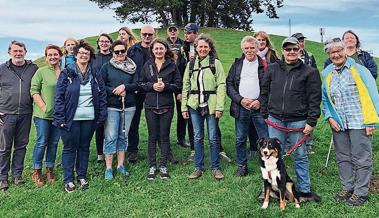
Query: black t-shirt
x=146, y=54
x=18, y=69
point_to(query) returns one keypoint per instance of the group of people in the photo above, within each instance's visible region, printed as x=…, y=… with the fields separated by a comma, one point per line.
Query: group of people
x=79, y=93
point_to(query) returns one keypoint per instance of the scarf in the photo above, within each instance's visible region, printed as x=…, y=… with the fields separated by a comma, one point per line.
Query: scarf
x=128, y=65
x=263, y=53
x=84, y=77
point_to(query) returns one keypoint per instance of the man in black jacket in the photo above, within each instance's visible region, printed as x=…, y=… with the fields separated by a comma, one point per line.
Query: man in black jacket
x=243, y=87
x=15, y=112
x=291, y=97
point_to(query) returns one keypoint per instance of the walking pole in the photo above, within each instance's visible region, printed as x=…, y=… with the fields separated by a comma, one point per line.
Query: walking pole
x=330, y=149
x=123, y=115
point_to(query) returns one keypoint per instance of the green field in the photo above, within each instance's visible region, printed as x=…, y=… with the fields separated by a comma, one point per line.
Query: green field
x=179, y=197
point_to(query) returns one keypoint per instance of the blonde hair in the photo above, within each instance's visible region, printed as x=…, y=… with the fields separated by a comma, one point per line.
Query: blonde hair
x=65, y=42
x=132, y=38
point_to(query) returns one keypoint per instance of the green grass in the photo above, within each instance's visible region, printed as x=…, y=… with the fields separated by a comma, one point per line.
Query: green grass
x=179, y=197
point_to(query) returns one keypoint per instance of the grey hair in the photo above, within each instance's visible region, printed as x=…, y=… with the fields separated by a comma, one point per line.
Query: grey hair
x=14, y=42
x=249, y=39
x=332, y=43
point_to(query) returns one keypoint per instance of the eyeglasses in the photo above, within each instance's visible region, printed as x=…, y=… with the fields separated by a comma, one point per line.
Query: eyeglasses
x=147, y=34
x=172, y=29
x=119, y=51
x=295, y=49
x=84, y=53
x=105, y=42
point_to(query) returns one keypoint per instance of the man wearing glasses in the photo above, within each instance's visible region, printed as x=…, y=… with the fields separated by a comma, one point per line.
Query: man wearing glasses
x=291, y=97
x=139, y=53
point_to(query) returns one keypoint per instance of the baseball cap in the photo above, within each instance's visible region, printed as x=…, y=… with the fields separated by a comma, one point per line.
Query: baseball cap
x=290, y=40
x=191, y=27
x=299, y=36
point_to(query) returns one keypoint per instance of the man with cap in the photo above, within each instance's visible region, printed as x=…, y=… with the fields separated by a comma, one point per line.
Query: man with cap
x=304, y=55
x=295, y=96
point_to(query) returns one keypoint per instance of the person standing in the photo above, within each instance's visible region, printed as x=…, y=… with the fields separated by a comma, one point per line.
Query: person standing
x=43, y=92
x=244, y=83
x=291, y=97
x=68, y=52
x=15, y=112
x=126, y=35
x=80, y=107
x=140, y=54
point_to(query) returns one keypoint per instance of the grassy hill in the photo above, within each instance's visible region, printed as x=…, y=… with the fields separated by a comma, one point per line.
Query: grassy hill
x=179, y=197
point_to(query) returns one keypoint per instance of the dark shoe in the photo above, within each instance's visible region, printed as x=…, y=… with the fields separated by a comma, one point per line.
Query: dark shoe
x=50, y=175
x=69, y=187
x=197, y=173
x=164, y=173
x=3, y=185
x=18, y=180
x=356, y=200
x=83, y=184
x=152, y=173
x=310, y=149
x=37, y=177
x=132, y=156
x=225, y=157
x=310, y=196
x=172, y=159
x=183, y=143
x=191, y=157
x=218, y=174
x=261, y=196
x=242, y=171
x=343, y=196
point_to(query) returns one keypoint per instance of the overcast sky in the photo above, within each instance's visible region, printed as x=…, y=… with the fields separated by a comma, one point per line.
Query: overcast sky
x=53, y=21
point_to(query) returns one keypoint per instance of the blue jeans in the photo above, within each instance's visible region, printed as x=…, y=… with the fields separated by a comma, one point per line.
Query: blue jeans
x=300, y=155
x=76, y=144
x=114, y=139
x=198, y=129
x=47, y=139
x=242, y=126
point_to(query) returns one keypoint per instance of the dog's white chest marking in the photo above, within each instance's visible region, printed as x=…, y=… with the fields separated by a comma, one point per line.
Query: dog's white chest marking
x=270, y=172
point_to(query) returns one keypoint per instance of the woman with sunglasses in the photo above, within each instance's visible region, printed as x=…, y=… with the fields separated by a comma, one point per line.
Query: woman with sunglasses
x=120, y=80
x=160, y=79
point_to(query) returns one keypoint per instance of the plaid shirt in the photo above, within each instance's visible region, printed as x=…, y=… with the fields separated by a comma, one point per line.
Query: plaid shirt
x=345, y=96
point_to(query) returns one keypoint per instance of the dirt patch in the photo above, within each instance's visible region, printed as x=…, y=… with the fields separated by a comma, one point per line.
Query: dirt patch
x=374, y=184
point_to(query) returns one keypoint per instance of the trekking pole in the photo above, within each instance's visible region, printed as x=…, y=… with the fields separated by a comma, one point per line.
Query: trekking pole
x=330, y=149
x=123, y=115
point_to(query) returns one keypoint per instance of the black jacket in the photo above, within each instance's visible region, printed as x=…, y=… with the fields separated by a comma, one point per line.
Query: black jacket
x=100, y=59
x=293, y=95
x=233, y=83
x=170, y=77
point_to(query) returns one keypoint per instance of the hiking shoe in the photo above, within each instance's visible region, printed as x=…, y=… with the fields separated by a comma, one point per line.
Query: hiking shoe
x=310, y=149
x=356, y=200
x=242, y=171
x=164, y=173
x=18, y=180
x=83, y=184
x=197, y=173
x=69, y=187
x=50, y=175
x=152, y=173
x=37, y=177
x=171, y=158
x=225, y=157
x=3, y=185
x=100, y=159
x=191, y=157
x=183, y=143
x=108, y=174
x=132, y=157
x=343, y=196
x=217, y=174
x=309, y=196
x=122, y=170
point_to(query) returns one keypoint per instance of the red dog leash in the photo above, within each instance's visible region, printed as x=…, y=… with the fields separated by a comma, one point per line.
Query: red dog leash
x=285, y=129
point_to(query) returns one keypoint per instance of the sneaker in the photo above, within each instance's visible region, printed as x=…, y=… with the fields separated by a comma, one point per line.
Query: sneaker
x=343, y=196
x=18, y=180
x=225, y=157
x=50, y=175
x=197, y=173
x=171, y=158
x=121, y=170
x=242, y=171
x=310, y=149
x=132, y=157
x=83, y=184
x=191, y=157
x=152, y=173
x=356, y=200
x=183, y=143
x=108, y=174
x=100, y=159
x=69, y=187
x=3, y=185
x=309, y=196
x=217, y=174
x=37, y=177
x=164, y=173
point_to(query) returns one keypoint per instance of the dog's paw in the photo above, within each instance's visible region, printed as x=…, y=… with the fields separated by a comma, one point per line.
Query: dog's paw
x=265, y=205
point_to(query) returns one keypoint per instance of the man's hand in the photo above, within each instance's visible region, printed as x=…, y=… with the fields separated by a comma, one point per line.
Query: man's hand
x=185, y=115
x=179, y=97
x=255, y=104
x=307, y=129
x=245, y=102
x=370, y=131
x=218, y=114
x=334, y=125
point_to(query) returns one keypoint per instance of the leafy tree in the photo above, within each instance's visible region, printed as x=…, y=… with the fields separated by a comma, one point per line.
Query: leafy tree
x=211, y=13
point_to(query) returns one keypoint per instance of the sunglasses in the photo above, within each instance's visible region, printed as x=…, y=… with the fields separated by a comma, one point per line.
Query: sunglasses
x=172, y=29
x=147, y=34
x=295, y=49
x=119, y=51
